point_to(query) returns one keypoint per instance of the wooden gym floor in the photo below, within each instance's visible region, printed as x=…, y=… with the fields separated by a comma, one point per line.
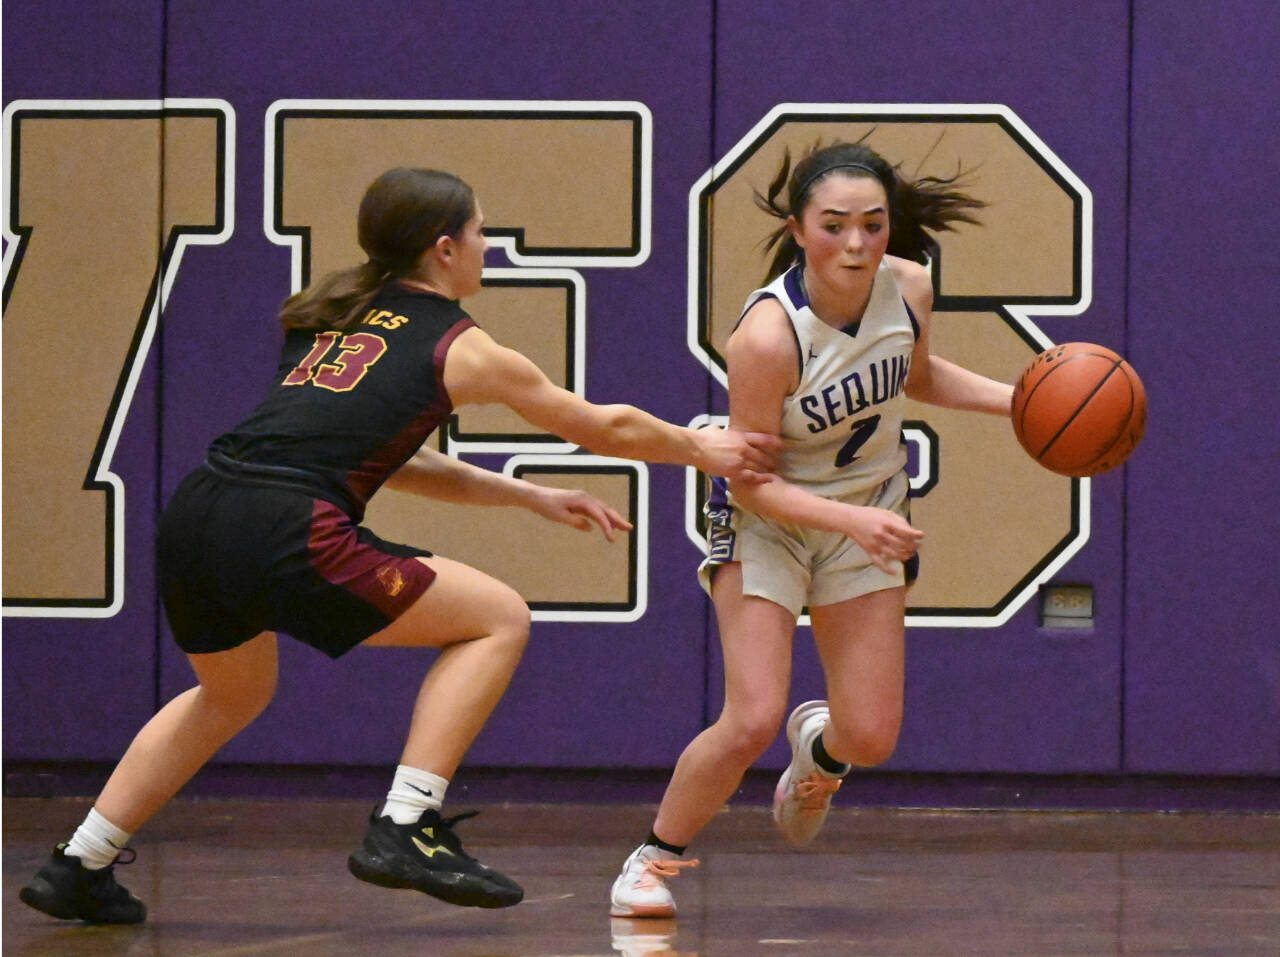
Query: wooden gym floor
x=238, y=878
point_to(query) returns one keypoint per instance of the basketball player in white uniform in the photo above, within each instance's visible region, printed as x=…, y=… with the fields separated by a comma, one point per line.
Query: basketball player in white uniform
x=842, y=433
x=825, y=356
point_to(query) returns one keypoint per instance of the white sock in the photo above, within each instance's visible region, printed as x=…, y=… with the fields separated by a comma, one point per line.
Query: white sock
x=97, y=842
x=412, y=792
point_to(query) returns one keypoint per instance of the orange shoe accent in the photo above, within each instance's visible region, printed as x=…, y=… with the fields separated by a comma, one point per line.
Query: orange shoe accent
x=641, y=889
x=662, y=869
x=815, y=791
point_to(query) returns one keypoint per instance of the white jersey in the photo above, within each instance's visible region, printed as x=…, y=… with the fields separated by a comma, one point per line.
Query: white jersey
x=842, y=427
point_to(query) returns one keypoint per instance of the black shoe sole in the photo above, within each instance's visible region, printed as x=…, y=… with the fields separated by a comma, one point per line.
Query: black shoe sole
x=473, y=893
x=42, y=896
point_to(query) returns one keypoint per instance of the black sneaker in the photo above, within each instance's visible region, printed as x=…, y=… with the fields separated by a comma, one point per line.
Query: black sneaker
x=66, y=889
x=427, y=856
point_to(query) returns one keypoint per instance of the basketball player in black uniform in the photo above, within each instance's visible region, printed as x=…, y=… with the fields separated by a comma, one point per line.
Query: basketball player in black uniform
x=265, y=536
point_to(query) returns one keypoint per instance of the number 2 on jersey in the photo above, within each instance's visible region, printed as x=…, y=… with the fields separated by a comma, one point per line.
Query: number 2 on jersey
x=862, y=430
x=357, y=352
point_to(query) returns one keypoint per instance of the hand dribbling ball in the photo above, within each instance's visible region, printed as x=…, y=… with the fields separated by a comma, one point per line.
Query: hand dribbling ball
x=1079, y=409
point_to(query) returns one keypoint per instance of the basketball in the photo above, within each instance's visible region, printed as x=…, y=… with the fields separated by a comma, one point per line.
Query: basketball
x=1079, y=409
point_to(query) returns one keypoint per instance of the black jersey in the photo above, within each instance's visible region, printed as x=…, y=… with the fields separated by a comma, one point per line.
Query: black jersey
x=349, y=408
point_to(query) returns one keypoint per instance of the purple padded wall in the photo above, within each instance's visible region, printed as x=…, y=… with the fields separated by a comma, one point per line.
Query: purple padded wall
x=1181, y=673
x=1014, y=698
x=575, y=678
x=78, y=688
x=1202, y=659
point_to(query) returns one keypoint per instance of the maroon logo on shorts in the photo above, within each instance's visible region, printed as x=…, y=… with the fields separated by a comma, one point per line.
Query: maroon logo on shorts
x=392, y=579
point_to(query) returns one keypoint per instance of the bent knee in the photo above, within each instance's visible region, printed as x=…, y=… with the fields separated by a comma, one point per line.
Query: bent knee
x=513, y=615
x=865, y=744
x=875, y=749
x=242, y=702
x=749, y=735
x=508, y=619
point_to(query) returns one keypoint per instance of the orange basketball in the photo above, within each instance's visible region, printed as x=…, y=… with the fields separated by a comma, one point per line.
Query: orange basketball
x=1079, y=409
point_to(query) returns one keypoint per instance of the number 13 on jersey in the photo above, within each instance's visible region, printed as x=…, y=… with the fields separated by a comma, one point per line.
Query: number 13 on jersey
x=356, y=353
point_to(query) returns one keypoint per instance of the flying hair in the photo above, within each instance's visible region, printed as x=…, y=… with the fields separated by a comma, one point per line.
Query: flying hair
x=917, y=207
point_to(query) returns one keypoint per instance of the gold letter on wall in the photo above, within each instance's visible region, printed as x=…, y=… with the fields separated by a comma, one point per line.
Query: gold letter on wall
x=104, y=197
x=997, y=524
x=563, y=185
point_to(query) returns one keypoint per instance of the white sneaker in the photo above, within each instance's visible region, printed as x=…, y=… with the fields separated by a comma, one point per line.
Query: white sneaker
x=641, y=889
x=803, y=795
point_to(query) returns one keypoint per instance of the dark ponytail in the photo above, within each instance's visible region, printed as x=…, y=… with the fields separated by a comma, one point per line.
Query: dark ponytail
x=335, y=302
x=916, y=207
x=924, y=206
x=783, y=244
x=402, y=214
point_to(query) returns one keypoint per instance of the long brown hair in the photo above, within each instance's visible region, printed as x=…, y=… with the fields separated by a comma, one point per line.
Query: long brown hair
x=403, y=212
x=916, y=207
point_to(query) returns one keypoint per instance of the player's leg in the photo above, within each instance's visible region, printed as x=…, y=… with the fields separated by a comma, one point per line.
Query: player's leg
x=481, y=627
x=234, y=687
x=861, y=645
x=77, y=882
x=755, y=635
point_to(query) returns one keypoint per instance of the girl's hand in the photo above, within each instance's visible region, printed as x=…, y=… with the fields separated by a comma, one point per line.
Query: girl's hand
x=577, y=508
x=885, y=536
x=738, y=456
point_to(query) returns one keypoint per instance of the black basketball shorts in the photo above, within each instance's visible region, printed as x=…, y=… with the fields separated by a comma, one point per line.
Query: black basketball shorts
x=236, y=559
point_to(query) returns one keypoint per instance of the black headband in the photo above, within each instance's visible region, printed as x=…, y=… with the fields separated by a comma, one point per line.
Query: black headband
x=818, y=175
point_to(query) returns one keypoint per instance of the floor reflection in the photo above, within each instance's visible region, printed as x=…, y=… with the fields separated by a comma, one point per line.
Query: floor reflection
x=239, y=879
x=633, y=937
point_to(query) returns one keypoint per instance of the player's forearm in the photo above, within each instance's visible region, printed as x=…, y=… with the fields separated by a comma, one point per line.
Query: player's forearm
x=951, y=386
x=792, y=505
x=630, y=433
x=440, y=477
